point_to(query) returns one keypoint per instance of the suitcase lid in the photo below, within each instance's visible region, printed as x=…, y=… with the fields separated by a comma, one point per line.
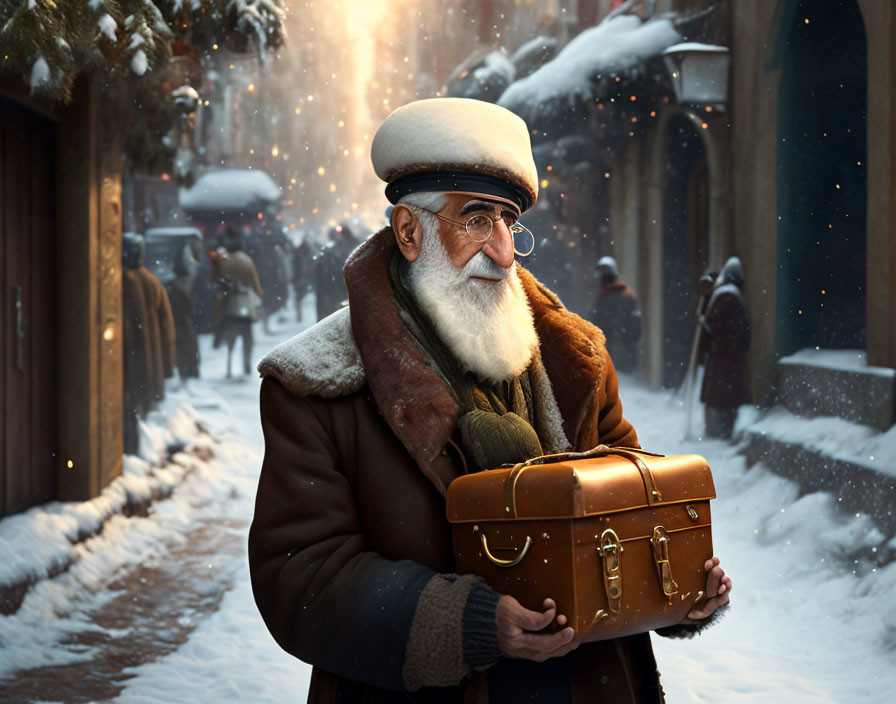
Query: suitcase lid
x=575, y=488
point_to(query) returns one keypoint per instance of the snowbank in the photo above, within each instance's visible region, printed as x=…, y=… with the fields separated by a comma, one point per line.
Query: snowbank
x=42, y=542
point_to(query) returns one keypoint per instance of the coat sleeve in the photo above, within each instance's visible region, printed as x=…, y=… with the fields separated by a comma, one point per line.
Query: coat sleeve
x=327, y=598
x=613, y=428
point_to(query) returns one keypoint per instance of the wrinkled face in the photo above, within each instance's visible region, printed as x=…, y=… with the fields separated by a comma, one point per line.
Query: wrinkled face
x=471, y=290
x=460, y=247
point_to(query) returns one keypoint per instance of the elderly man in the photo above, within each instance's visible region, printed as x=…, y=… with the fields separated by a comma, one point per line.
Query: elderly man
x=449, y=359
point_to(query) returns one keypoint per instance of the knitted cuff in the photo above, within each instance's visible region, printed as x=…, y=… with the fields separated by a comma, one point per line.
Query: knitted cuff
x=689, y=630
x=480, y=632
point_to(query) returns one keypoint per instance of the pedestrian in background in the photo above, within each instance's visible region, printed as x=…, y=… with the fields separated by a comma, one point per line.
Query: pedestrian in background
x=724, y=344
x=272, y=254
x=328, y=282
x=159, y=327
x=238, y=297
x=617, y=313
x=181, y=293
x=135, y=342
x=302, y=272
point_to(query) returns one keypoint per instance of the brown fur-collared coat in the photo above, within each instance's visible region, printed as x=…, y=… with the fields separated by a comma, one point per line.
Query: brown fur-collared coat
x=159, y=331
x=350, y=550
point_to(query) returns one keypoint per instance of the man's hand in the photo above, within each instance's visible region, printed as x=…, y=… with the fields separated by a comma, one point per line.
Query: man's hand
x=718, y=586
x=518, y=627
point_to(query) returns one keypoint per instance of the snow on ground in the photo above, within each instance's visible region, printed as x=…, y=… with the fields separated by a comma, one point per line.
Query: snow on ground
x=230, y=657
x=812, y=617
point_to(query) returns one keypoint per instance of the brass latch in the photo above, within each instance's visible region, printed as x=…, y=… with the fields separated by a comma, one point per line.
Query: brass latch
x=660, y=543
x=610, y=549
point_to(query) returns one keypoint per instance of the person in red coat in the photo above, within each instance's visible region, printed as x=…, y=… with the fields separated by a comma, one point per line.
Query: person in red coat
x=725, y=340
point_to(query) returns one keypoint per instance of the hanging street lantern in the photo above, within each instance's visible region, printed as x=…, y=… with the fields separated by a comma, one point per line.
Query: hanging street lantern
x=699, y=73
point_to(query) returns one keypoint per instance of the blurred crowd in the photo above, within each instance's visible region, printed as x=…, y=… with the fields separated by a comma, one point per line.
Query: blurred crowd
x=178, y=283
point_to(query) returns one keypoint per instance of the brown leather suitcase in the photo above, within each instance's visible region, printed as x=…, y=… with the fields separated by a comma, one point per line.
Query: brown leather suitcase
x=616, y=536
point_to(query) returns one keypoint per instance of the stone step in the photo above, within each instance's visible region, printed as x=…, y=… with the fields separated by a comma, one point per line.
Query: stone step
x=837, y=383
x=854, y=463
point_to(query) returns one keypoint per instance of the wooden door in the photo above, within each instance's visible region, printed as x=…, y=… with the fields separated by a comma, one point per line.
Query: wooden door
x=28, y=312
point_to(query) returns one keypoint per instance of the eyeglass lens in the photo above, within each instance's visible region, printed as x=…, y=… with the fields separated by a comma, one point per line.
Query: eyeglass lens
x=479, y=227
x=523, y=240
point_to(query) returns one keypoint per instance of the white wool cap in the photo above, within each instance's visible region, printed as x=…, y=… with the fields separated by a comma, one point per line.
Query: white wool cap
x=455, y=145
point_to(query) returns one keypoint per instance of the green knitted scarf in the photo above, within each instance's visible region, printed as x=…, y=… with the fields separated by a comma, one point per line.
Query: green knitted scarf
x=495, y=422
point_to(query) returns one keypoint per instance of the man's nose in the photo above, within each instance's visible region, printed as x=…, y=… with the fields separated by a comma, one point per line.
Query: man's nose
x=499, y=247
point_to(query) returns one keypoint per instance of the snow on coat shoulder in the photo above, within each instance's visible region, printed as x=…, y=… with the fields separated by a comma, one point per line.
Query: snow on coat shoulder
x=323, y=360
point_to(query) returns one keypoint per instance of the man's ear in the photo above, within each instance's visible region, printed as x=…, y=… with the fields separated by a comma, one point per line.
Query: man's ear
x=408, y=232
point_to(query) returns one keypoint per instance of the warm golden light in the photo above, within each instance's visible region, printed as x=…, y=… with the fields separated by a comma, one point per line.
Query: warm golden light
x=275, y=151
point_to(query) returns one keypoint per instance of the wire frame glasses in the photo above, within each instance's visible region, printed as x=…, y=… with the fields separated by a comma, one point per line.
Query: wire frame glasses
x=479, y=228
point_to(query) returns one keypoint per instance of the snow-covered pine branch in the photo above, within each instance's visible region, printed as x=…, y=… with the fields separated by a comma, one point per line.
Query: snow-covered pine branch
x=48, y=42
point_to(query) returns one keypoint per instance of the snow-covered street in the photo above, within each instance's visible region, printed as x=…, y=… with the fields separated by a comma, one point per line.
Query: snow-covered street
x=159, y=608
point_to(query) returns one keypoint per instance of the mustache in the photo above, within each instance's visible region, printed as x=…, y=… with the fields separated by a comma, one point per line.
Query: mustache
x=482, y=265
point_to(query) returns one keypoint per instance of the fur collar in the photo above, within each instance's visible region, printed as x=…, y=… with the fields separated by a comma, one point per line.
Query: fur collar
x=368, y=344
x=322, y=360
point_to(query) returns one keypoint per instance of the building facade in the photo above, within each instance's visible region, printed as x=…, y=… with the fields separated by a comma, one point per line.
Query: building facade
x=61, y=297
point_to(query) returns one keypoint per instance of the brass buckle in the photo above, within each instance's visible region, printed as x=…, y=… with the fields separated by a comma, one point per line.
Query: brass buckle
x=610, y=548
x=660, y=543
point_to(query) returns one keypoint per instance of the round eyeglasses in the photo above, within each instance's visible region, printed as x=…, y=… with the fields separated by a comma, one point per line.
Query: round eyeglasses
x=479, y=229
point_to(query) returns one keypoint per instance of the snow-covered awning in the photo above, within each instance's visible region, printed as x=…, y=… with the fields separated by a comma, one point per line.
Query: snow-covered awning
x=621, y=52
x=484, y=75
x=230, y=192
x=534, y=54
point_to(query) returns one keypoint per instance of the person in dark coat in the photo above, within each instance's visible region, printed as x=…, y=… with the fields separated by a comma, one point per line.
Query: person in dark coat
x=302, y=273
x=328, y=282
x=159, y=330
x=271, y=255
x=724, y=342
x=238, y=298
x=136, y=356
x=181, y=295
x=617, y=313
x=450, y=358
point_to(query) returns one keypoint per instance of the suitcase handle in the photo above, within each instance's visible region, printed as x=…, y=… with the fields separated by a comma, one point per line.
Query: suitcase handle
x=505, y=563
x=630, y=453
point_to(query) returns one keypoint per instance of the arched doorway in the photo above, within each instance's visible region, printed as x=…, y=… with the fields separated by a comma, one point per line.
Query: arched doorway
x=685, y=241
x=822, y=190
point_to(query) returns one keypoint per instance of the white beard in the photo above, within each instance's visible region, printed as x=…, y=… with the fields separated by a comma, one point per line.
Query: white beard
x=487, y=326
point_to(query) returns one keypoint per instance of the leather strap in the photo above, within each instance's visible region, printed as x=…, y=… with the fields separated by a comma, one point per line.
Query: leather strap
x=630, y=453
